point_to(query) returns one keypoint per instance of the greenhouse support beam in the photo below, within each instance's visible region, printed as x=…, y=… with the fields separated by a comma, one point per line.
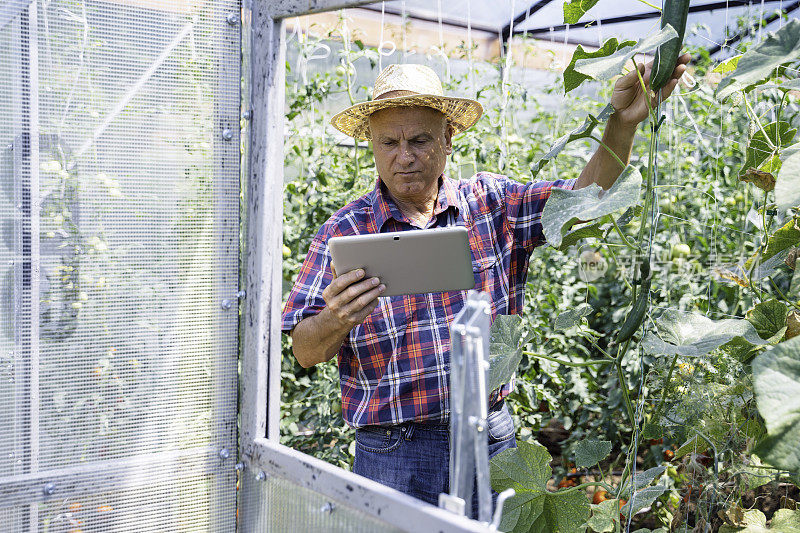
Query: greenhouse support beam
x=260, y=350
x=103, y=477
x=353, y=491
x=505, y=32
x=640, y=16
x=281, y=9
x=767, y=21
x=424, y=18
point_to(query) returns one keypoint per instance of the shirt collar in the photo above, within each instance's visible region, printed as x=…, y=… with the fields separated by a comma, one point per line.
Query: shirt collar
x=384, y=208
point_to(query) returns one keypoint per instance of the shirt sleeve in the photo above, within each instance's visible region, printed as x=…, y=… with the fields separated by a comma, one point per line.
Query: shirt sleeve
x=524, y=205
x=305, y=298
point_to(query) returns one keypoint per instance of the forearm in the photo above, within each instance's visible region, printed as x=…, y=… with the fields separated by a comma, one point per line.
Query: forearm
x=316, y=339
x=603, y=168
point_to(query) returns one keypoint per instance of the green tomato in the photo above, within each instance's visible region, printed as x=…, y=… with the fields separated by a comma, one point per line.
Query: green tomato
x=739, y=196
x=336, y=407
x=287, y=252
x=730, y=202
x=680, y=250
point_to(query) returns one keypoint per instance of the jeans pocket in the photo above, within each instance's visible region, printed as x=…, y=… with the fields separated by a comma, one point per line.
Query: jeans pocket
x=500, y=424
x=378, y=439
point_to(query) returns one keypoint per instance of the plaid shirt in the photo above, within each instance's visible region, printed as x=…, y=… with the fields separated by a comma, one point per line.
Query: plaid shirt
x=394, y=367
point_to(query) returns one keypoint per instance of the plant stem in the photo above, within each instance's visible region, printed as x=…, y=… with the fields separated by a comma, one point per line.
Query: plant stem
x=758, y=121
x=666, y=386
x=590, y=362
x=650, y=5
x=623, y=384
x=602, y=484
x=609, y=150
x=622, y=236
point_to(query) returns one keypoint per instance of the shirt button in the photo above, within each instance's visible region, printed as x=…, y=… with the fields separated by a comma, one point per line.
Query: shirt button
x=388, y=432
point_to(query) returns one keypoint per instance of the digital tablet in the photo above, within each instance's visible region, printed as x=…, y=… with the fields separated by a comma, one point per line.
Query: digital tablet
x=409, y=262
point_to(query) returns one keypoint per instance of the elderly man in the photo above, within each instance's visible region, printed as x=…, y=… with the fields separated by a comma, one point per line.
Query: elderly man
x=393, y=352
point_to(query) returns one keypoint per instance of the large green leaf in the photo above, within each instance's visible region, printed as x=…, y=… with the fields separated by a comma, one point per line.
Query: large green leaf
x=604, y=516
x=787, y=183
x=759, y=151
x=526, y=469
x=642, y=498
x=571, y=317
x=786, y=237
x=581, y=132
x=754, y=521
x=505, y=349
x=572, y=78
x=769, y=319
x=587, y=231
x=776, y=376
x=694, y=334
x=759, y=63
x=573, y=11
x=605, y=68
x=589, y=452
x=565, y=207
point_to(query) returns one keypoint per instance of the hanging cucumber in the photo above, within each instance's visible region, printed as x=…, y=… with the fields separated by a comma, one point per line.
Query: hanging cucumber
x=639, y=309
x=674, y=13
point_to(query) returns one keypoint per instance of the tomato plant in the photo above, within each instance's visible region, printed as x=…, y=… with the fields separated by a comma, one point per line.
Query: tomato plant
x=694, y=400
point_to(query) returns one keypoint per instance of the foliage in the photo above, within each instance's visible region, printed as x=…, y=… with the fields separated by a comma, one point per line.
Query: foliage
x=526, y=469
x=692, y=384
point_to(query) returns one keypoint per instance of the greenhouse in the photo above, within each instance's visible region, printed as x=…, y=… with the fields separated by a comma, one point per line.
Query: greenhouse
x=401, y=265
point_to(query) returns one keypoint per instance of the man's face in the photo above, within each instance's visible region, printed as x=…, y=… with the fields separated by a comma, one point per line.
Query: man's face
x=411, y=145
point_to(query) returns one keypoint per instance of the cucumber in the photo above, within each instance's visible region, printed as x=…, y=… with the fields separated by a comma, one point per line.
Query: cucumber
x=635, y=318
x=674, y=13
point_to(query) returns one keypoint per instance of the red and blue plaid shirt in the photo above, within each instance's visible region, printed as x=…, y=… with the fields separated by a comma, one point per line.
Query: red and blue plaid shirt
x=394, y=367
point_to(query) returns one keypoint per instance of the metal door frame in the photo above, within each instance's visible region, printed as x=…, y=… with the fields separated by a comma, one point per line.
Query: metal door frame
x=261, y=455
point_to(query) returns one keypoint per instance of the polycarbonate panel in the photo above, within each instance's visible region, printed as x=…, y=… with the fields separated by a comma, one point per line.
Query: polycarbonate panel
x=180, y=505
x=284, y=506
x=119, y=212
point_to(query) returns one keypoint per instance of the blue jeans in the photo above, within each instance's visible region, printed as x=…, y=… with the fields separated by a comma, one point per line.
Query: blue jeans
x=415, y=458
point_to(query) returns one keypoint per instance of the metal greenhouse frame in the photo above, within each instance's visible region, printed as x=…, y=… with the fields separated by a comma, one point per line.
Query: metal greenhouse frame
x=263, y=458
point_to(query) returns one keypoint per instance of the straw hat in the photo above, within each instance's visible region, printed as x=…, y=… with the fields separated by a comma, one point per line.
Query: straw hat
x=416, y=85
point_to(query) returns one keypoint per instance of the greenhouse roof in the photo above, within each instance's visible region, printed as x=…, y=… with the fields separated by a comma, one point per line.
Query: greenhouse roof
x=629, y=19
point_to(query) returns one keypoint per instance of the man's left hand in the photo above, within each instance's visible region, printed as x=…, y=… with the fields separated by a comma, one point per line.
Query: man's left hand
x=628, y=98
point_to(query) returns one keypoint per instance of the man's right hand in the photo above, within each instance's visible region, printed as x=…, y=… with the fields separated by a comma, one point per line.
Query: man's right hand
x=349, y=300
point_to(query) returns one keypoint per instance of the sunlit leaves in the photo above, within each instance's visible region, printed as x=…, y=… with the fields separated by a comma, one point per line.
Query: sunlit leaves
x=694, y=334
x=571, y=317
x=573, y=11
x=787, y=185
x=505, y=349
x=572, y=78
x=589, y=452
x=769, y=319
x=605, y=68
x=565, y=207
x=526, y=469
x=581, y=132
x=761, y=61
x=762, y=150
x=776, y=375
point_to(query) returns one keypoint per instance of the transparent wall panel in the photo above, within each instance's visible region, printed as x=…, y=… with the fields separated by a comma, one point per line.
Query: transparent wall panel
x=119, y=213
x=277, y=505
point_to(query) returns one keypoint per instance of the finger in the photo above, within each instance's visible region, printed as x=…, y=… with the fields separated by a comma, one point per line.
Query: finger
x=353, y=292
x=680, y=68
x=630, y=79
x=345, y=280
x=366, y=300
x=668, y=88
x=333, y=269
x=364, y=313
